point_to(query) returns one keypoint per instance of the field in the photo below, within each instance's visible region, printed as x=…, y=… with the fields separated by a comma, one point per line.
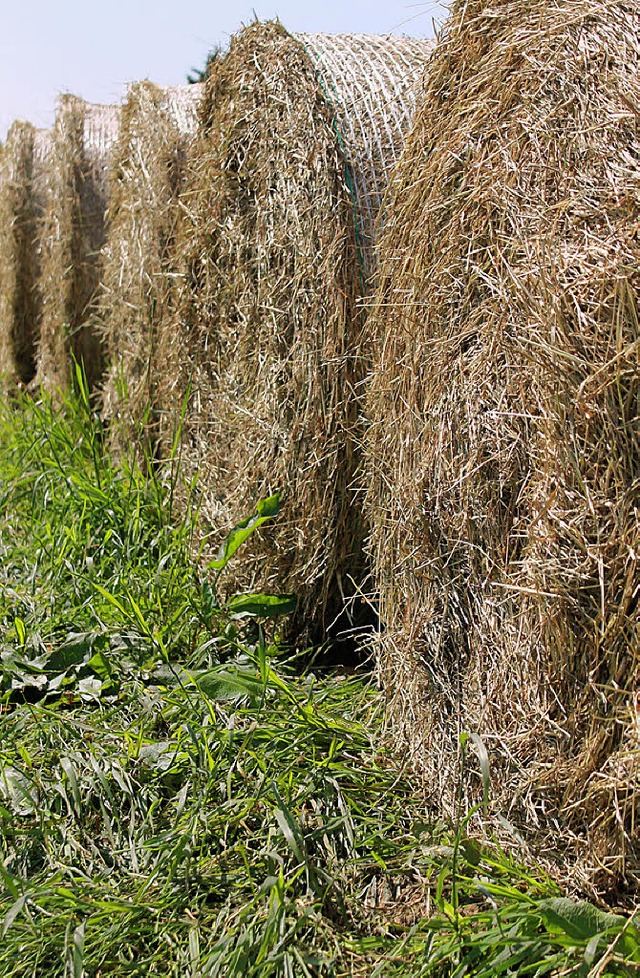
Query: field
x=179, y=796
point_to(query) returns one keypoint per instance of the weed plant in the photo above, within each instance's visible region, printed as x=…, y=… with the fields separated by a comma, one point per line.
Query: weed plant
x=177, y=800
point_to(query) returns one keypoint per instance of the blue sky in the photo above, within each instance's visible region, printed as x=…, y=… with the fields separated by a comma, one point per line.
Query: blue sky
x=94, y=49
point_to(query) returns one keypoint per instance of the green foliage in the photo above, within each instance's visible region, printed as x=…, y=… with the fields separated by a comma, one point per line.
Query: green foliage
x=176, y=800
x=98, y=580
x=197, y=75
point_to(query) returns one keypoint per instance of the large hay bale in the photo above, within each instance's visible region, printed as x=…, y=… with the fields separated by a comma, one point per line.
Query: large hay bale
x=148, y=168
x=23, y=164
x=74, y=230
x=297, y=135
x=504, y=447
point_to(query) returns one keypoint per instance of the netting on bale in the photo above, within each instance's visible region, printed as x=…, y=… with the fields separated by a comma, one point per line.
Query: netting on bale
x=157, y=128
x=503, y=451
x=272, y=344
x=74, y=229
x=23, y=163
x=371, y=84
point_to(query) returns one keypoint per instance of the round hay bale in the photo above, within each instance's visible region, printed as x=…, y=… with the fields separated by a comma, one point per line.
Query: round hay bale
x=298, y=132
x=23, y=164
x=503, y=451
x=148, y=168
x=84, y=137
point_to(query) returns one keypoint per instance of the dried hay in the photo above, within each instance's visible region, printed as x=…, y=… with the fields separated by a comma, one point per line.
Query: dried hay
x=138, y=259
x=273, y=340
x=23, y=164
x=84, y=136
x=504, y=447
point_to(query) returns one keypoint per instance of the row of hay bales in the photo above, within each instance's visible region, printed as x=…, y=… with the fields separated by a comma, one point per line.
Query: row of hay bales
x=443, y=372
x=53, y=198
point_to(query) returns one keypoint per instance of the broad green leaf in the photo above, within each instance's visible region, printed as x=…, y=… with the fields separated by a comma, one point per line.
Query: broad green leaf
x=262, y=605
x=265, y=510
x=591, y=950
x=24, y=680
x=579, y=920
x=99, y=664
x=161, y=755
x=76, y=647
x=268, y=884
x=472, y=851
x=223, y=684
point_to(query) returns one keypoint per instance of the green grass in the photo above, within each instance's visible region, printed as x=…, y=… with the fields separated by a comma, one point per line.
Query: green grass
x=176, y=799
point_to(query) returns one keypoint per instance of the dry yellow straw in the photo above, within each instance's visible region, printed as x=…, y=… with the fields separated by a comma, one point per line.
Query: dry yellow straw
x=158, y=127
x=74, y=232
x=23, y=163
x=298, y=135
x=504, y=447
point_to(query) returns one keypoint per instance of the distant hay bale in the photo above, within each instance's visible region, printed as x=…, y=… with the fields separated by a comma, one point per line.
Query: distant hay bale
x=148, y=168
x=504, y=445
x=298, y=132
x=84, y=136
x=23, y=163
